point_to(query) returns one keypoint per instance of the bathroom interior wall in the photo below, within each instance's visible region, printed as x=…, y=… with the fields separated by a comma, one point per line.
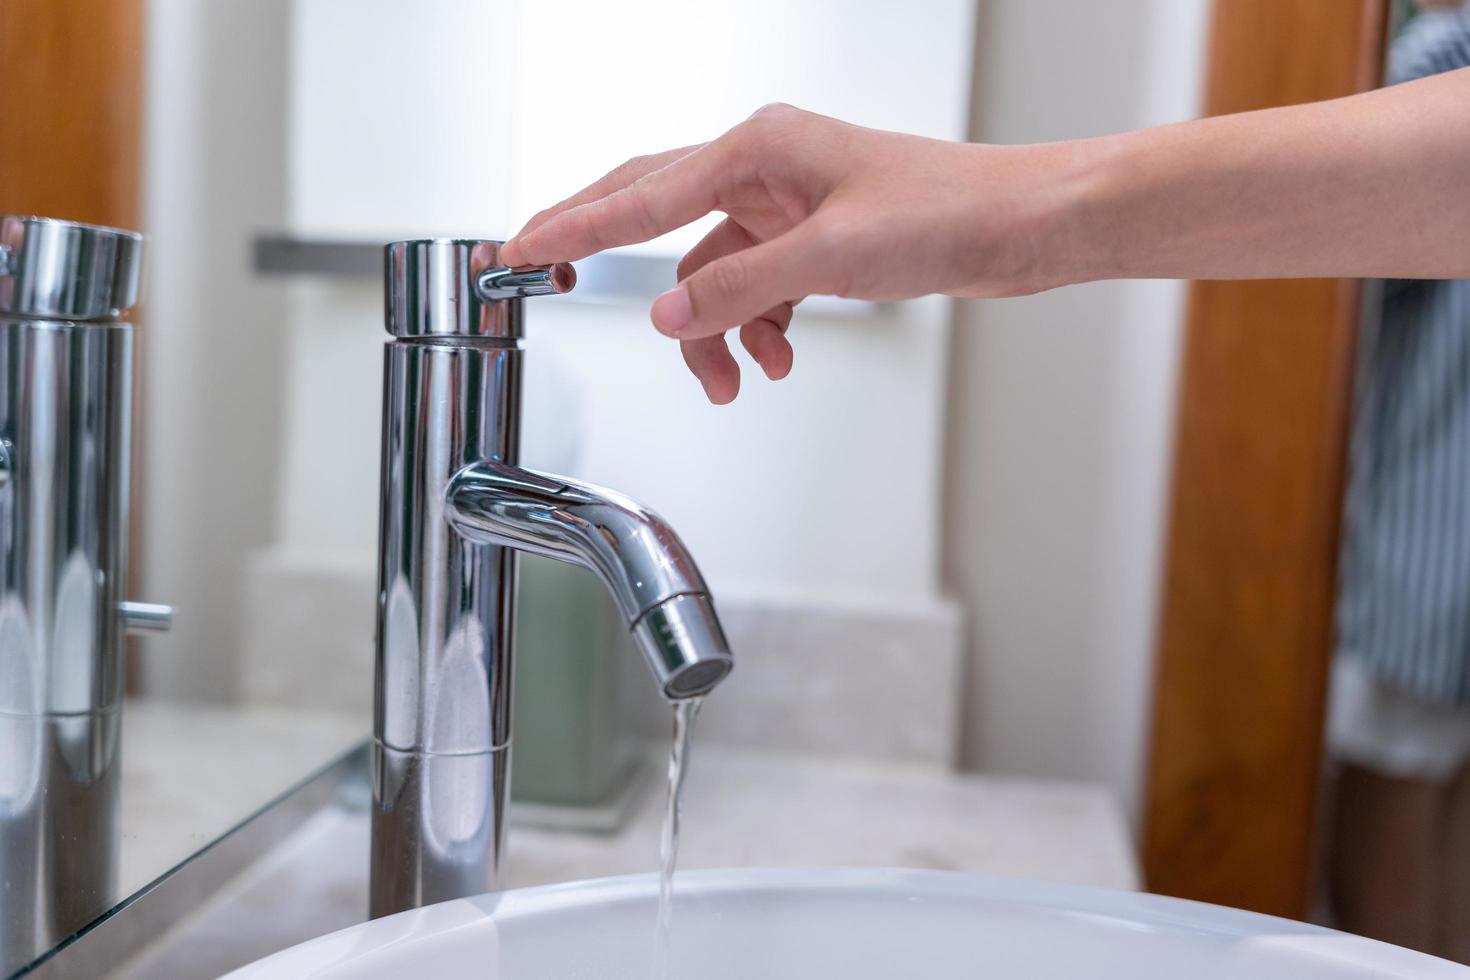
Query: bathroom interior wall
x=1061, y=418
x=524, y=103
x=470, y=145
x=263, y=393
x=508, y=121
x=212, y=333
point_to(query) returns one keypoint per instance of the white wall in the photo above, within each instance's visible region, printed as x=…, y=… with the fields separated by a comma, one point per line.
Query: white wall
x=1061, y=418
x=211, y=333
x=398, y=117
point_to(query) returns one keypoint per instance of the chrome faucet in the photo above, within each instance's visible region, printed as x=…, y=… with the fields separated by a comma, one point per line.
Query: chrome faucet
x=65, y=426
x=455, y=511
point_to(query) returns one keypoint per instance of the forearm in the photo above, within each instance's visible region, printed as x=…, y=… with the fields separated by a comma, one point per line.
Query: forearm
x=1377, y=185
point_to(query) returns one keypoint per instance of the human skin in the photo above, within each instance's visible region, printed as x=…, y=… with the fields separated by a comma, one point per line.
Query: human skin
x=1375, y=185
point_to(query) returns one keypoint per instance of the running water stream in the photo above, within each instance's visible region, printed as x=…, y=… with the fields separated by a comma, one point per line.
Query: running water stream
x=684, y=714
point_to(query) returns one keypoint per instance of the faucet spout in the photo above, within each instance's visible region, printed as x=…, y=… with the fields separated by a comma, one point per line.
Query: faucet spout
x=650, y=574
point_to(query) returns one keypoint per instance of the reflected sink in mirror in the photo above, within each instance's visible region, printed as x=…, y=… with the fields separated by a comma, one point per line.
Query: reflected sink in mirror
x=855, y=924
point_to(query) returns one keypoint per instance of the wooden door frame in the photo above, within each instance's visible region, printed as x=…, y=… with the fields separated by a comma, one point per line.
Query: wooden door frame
x=1246, y=629
x=72, y=105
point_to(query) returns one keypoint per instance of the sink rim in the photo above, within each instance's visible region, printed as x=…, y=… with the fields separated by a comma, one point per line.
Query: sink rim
x=367, y=939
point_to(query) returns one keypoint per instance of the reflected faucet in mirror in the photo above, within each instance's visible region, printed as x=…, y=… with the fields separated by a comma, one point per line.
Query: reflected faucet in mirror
x=65, y=454
x=456, y=509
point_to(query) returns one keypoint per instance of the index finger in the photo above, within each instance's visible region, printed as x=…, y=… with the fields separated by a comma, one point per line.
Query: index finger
x=657, y=202
x=615, y=179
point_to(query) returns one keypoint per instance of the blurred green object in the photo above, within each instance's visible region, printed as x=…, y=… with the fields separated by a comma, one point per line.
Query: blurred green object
x=572, y=745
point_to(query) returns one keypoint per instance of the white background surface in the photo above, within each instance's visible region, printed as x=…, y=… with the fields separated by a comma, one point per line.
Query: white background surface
x=1061, y=419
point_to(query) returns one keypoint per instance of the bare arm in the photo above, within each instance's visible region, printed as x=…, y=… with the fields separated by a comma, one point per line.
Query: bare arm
x=1373, y=185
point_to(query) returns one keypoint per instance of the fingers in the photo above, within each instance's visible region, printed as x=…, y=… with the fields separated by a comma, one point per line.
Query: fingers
x=710, y=360
x=743, y=285
x=765, y=341
x=614, y=180
x=764, y=337
x=657, y=202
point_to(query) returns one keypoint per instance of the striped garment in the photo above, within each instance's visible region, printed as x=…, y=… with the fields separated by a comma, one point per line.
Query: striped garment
x=1404, y=598
x=1433, y=43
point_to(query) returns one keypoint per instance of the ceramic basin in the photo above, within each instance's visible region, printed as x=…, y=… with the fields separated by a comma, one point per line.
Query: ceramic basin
x=838, y=923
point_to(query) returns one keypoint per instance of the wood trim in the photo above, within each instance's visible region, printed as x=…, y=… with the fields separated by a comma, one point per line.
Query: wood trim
x=1246, y=632
x=71, y=102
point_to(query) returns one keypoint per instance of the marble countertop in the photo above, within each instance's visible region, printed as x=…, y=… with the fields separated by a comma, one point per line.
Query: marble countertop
x=749, y=809
x=741, y=809
x=192, y=772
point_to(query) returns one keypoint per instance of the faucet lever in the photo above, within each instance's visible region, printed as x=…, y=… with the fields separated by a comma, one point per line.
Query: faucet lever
x=445, y=288
x=152, y=617
x=493, y=285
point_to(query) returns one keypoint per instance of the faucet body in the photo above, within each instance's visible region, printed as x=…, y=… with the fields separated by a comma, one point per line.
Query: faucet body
x=65, y=425
x=456, y=508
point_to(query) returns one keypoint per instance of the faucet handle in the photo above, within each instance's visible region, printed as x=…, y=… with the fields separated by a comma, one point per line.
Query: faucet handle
x=151, y=617
x=444, y=288
x=493, y=285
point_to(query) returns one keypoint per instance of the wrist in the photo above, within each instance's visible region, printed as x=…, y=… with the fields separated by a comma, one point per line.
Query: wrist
x=1084, y=182
x=1040, y=217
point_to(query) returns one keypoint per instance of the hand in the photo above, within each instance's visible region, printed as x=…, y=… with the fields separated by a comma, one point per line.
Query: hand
x=1372, y=186
x=812, y=205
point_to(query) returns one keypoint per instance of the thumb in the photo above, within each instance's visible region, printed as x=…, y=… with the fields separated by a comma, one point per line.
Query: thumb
x=737, y=288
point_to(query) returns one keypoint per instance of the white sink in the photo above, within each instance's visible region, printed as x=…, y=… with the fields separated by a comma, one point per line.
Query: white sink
x=839, y=923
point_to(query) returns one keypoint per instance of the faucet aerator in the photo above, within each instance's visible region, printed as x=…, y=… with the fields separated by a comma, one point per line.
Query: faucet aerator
x=684, y=645
x=697, y=680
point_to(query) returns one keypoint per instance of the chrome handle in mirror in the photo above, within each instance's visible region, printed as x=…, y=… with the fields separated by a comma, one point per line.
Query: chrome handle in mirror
x=146, y=617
